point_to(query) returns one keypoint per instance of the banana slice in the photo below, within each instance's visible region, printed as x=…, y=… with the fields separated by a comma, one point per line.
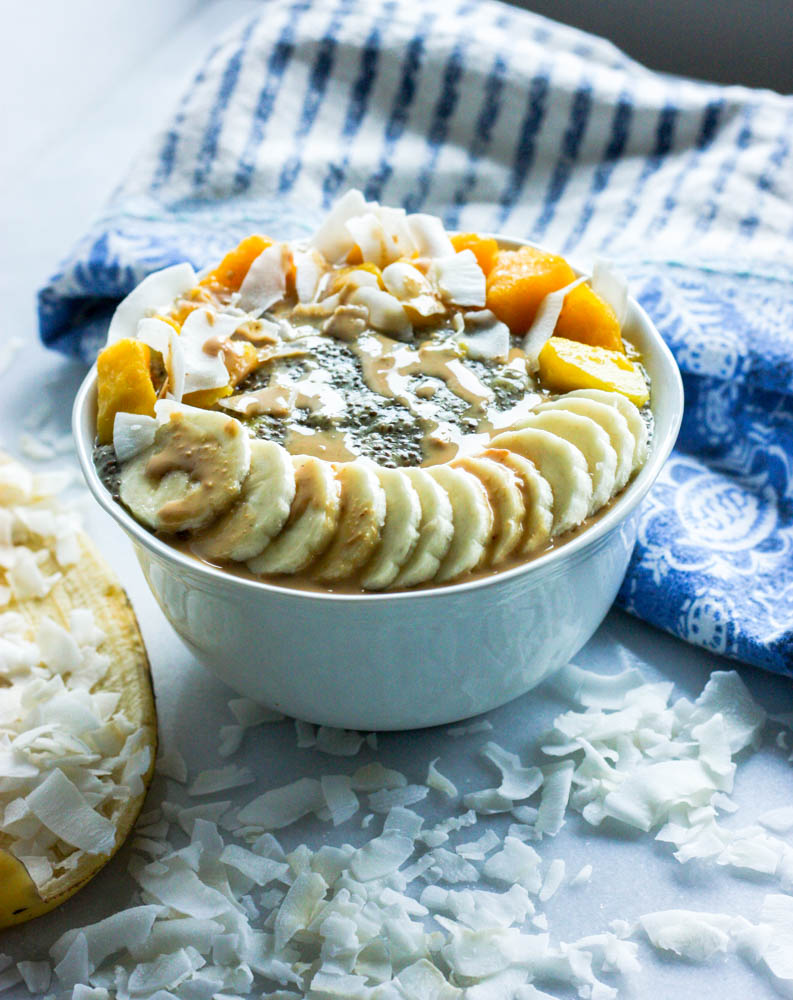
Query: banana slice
x=506, y=502
x=400, y=531
x=612, y=422
x=312, y=520
x=192, y=473
x=537, y=499
x=593, y=443
x=436, y=529
x=472, y=517
x=631, y=413
x=562, y=464
x=361, y=519
x=261, y=511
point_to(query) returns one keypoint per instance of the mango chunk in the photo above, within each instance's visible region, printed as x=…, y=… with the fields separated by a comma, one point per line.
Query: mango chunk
x=123, y=385
x=231, y=271
x=520, y=280
x=566, y=365
x=585, y=317
x=484, y=249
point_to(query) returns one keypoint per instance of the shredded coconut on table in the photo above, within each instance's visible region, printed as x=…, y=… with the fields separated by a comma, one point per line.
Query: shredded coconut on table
x=415, y=913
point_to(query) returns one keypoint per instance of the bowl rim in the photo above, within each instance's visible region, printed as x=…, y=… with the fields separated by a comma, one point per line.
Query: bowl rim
x=537, y=567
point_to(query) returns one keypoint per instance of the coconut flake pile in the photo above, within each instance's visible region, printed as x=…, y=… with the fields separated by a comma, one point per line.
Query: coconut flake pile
x=436, y=912
x=68, y=758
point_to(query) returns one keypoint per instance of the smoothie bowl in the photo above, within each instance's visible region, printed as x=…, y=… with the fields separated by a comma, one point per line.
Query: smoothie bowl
x=382, y=478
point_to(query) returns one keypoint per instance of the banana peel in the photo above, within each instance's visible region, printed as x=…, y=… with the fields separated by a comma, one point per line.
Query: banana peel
x=88, y=583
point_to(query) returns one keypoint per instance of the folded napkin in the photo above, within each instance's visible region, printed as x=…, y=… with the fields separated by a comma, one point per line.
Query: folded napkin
x=499, y=120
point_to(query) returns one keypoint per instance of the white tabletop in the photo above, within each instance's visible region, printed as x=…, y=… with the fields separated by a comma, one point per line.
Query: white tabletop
x=65, y=156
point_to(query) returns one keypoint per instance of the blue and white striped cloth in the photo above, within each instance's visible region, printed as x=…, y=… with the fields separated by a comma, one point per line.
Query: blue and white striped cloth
x=499, y=120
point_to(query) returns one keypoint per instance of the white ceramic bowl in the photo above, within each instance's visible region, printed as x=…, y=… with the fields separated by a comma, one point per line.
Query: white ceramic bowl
x=414, y=658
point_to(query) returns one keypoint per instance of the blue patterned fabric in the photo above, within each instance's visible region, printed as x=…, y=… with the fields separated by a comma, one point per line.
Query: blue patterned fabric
x=499, y=120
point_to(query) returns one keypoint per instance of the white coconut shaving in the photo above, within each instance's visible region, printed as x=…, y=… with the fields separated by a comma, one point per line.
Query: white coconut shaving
x=155, y=293
x=544, y=324
x=439, y=781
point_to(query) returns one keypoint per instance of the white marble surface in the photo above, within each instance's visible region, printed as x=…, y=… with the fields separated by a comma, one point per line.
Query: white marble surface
x=48, y=190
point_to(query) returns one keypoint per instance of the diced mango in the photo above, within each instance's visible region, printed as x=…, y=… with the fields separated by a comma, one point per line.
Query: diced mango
x=231, y=271
x=123, y=385
x=355, y=256
x=520, y=280
x=585, y=317
x=485, y=250
x=240, y=358
x=566, y=365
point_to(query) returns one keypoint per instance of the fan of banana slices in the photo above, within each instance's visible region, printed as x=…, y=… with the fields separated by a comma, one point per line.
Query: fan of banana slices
x=250, y=501
x=77, y=719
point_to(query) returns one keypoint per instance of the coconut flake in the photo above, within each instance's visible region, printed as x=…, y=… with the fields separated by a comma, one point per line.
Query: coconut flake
x=460, y=279
x=470, y=729
x=611, y=285
x=340, y=799
x=298, y=907
x=545, y=322
x=387, y=798
x=154, y=294
x=429, y=236
x=333, y=240
x=219, y=779
x=60, y=806
x=439, y=782
x=582, y=876
x=171, y=763
x=553, y=879
x=779, y=820
x=555, y=794
x=485, y=337
x=517, y=782
x=373, y=777
x=281, y=807
x=132, y=434
x=694, y=936
x=265, y=282
x=37, y=975
x=386, y=313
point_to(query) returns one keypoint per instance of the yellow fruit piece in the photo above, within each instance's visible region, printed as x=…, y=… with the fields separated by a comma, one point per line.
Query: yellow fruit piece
x=585, y=317
x=566, y=365
x=520, y=280
x=485, y=250
x=231, y=271
x=87, y=583
x=123, y=385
